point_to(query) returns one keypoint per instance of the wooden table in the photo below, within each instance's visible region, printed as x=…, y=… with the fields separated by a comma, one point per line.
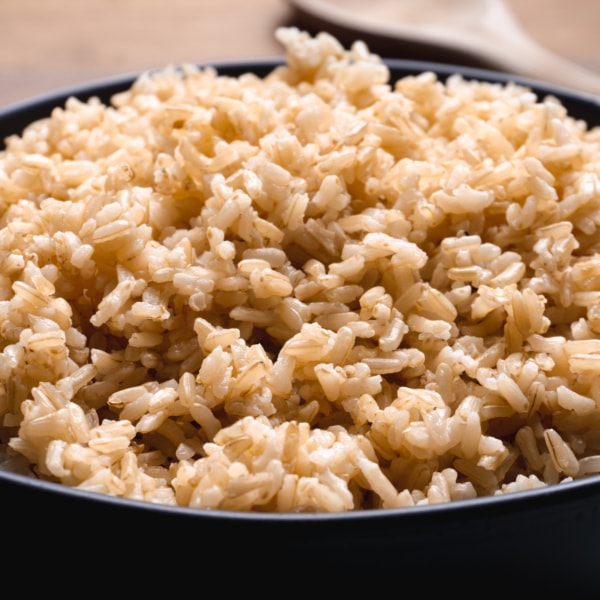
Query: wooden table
x=46, y=45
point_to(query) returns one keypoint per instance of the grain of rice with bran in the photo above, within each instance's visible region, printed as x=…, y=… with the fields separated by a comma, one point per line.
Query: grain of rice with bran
x=313, y=291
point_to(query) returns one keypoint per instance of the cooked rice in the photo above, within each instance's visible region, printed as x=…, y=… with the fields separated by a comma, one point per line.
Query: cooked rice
x=313, y=291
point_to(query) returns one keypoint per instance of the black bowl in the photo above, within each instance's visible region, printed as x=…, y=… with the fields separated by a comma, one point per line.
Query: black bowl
x=541, y=540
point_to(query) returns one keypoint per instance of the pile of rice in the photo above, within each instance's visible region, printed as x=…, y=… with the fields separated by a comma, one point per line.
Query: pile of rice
x=313, y=291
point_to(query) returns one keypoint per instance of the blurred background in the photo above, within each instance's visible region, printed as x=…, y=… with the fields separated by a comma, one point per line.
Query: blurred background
x=46, y=45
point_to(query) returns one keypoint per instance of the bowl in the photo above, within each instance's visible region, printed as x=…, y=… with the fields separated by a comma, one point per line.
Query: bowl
x=541, y=539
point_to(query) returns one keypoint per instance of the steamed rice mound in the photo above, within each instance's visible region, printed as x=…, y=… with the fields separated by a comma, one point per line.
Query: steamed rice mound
x=315, y=291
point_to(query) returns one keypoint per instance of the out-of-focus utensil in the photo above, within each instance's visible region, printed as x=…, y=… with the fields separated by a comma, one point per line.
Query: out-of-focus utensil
x=482, y=33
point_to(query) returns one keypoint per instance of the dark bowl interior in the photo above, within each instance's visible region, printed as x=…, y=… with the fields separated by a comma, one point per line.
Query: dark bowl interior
x=546, y=539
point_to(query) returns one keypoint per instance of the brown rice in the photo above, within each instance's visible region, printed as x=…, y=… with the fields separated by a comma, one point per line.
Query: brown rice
x=312, y=291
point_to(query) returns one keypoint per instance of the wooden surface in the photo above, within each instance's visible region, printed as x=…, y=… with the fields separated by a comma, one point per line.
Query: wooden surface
x=49, y=44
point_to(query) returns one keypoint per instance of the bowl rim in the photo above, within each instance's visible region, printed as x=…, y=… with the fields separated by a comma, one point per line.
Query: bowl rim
x=550, y=496
x=42, y=104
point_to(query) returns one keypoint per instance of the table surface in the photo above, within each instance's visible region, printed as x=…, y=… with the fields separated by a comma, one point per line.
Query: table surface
x=48, y=45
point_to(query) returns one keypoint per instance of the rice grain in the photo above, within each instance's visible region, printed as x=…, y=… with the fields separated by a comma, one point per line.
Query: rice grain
x=319, y=290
